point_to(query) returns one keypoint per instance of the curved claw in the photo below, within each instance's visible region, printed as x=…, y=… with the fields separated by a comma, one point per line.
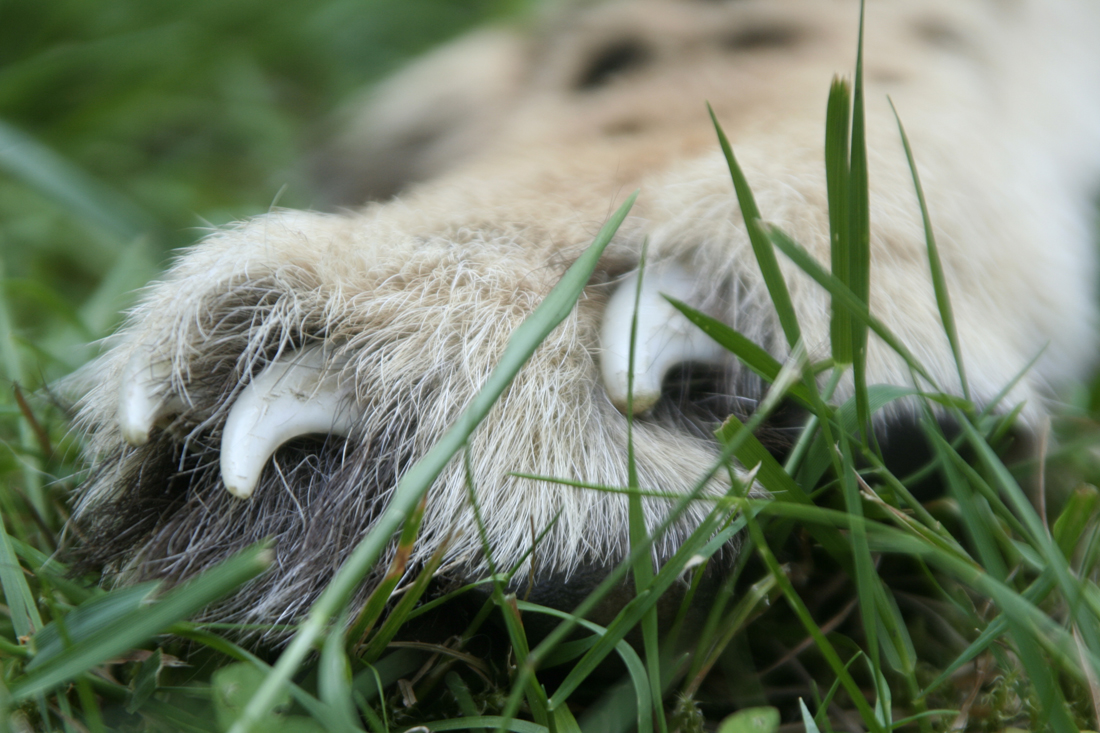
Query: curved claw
x=297, y=394
x=141, y=402
x=664, y=339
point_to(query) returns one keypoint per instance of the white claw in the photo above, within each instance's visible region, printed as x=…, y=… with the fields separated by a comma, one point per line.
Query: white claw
x=664, y=339
x=297, y=394
x=141, y=401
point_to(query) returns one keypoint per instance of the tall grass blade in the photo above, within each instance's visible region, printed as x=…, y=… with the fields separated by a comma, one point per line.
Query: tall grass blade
x=751, y=355
x=761, y=247
x=939, y=281
x=837, y=173
x=639, y=534
x=866, y=579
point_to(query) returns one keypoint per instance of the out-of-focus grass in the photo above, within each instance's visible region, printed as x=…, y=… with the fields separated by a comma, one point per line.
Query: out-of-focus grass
x=190, y=113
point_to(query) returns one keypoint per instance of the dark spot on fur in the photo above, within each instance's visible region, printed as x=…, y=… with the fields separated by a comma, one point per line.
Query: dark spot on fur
x=624, y=128
x=416, y=139
x=760, y=37
x=613, y=61
x=939, y=33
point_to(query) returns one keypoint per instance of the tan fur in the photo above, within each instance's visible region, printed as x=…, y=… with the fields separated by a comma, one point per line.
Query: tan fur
x=421, y=293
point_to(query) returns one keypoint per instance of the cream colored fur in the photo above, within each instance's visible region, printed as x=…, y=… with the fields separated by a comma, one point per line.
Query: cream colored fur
x=1000, y=99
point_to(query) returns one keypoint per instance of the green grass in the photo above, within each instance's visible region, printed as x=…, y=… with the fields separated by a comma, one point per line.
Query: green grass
x=126, y=125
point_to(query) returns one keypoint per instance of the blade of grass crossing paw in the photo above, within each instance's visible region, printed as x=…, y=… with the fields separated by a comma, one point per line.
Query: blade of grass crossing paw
x=704, y=541
x=750, y=354
x=527, y=337
x=761, y=247
x=639, y=534
x=939, y=281
x=671, y=570
x=764, y=252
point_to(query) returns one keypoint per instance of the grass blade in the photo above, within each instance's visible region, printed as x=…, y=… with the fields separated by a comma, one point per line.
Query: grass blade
x=334, y=684
x=858, y=308
x=75, y=191
x=939, y=281
x=750, y=354
x=803, y=613
x=859, y=237
x=135, y=627
x=86, y=619
x=552, y=311
x=837, y=173
x=761, y=246
x=638, y=533
x=17, y=593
